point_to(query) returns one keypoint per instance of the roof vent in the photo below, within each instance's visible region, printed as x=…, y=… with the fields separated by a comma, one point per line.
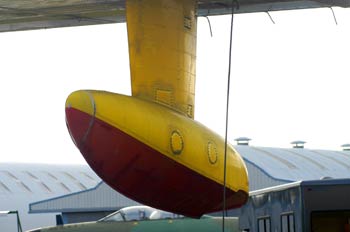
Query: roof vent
x=298, y=144
x=243, y=141
x=346, y=147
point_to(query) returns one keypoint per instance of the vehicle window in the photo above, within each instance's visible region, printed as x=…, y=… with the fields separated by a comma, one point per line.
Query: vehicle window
x=159, y=214
x=168, y=215
x=117, y=217
x=137, y=215
x=132, y=216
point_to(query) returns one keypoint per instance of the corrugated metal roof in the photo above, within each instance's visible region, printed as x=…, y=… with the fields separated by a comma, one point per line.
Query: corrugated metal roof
x=44, y=179
x=297, y=164
x=21, y=184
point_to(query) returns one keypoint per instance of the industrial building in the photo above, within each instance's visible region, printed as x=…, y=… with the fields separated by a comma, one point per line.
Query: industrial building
x=21, y=184
x=86, y=205
x=312, y=205
x=274, y=166
x=267, y=167
x=75, y=193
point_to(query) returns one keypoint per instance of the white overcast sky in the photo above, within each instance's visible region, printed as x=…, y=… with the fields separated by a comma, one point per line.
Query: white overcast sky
x=290, y=81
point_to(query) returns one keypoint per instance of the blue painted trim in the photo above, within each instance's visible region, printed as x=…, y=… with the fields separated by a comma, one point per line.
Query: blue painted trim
x=302, y=183
x=343, y=181
x=74, y=210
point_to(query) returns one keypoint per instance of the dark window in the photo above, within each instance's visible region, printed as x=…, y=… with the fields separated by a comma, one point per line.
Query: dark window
x=338, y=220
x=287, y=222
x=264, y=224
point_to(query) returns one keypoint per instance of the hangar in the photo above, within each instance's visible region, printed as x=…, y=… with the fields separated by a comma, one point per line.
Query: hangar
x=267, y=167
x=86, y=205
x=21, y=184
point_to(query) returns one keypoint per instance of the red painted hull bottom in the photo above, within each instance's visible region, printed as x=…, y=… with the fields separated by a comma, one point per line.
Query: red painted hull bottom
x=144, y=174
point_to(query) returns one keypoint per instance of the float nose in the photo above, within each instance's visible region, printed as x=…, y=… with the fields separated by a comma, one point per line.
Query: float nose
x=80, y=114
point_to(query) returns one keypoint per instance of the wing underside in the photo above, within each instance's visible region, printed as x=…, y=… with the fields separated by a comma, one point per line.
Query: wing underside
x=18, y=15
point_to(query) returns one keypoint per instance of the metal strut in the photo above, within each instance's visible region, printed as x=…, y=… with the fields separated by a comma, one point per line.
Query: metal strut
x=224, y=211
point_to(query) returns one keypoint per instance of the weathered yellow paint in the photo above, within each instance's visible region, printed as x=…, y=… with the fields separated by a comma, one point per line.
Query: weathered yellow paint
x=174, y=135
x=162, y=50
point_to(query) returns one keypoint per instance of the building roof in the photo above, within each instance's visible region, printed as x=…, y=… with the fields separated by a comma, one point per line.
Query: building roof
x=305, y=183
x=99, y=198
x=45, y=179
x=22, y=183
x=293, y=164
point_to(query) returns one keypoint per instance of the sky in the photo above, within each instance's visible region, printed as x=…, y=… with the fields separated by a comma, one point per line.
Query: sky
x=290, y=81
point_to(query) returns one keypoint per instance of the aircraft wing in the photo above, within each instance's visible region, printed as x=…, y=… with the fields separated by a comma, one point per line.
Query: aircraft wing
x=18, y=15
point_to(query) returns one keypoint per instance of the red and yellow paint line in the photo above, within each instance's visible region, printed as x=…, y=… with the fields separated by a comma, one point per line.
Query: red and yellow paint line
x=153, y=154
x=148, y=146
